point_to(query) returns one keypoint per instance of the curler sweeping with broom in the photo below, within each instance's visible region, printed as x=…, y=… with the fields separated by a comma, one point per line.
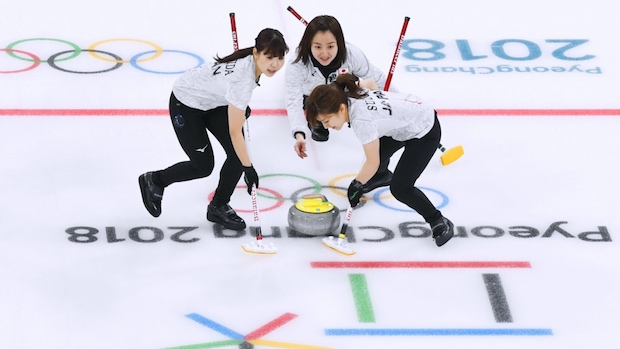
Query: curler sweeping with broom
x=385, y=122
x=214, y=98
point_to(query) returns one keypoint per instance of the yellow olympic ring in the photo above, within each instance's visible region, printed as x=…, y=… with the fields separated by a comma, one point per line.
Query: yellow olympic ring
x=268, y=343
x=158, y=50
x=332, y=185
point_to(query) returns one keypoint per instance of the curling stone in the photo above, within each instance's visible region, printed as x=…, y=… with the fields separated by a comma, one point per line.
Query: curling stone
x=314, y=215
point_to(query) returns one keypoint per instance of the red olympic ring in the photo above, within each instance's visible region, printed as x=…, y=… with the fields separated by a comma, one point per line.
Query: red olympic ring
x=35, y=61
x=279, y=199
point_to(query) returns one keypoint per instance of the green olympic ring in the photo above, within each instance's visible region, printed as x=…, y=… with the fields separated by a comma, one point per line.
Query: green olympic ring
x=317, y=186
x=77, y=50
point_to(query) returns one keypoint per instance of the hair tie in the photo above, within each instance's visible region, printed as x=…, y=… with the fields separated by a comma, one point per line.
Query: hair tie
x=340, y=85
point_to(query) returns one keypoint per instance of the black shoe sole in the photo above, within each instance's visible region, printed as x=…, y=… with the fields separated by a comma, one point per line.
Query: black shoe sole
x=445, y=237
x=232, y=226
x=145, y=197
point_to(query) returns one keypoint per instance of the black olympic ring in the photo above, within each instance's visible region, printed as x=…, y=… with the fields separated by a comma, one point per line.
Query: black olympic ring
x=52, y=63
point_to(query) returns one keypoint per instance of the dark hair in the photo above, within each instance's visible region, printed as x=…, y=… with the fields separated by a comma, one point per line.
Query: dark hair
x=270, y=41
x=321, y=24
x=326, y=99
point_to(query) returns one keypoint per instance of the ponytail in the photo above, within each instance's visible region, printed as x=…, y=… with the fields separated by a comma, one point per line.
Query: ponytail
x=349, y=83
x=269, y=41
x=235, y=55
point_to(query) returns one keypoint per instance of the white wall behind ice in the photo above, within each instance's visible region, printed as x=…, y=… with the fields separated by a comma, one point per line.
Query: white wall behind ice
x=203, y=28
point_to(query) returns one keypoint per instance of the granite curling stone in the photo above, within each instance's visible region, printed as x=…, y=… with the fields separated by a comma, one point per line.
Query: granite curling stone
x=314, y=215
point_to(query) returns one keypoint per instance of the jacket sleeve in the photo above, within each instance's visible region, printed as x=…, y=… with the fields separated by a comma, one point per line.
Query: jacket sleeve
x=294, y=97
x=362, y=68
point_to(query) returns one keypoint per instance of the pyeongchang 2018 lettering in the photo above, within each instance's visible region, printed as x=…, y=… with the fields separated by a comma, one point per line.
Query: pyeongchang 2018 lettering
x=514, y=55
x=366, y=234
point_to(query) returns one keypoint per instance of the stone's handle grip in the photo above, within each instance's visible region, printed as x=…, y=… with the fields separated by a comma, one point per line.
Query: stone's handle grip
x=314, y=196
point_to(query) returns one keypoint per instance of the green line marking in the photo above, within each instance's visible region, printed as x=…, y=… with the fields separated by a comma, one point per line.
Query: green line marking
x=209, y=345
x=365, y=312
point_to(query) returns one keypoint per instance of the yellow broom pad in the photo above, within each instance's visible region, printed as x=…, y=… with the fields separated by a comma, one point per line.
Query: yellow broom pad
x=451, y=155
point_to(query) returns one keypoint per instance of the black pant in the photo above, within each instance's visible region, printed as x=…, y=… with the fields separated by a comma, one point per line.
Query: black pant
x=190, y=126
x=413, y=161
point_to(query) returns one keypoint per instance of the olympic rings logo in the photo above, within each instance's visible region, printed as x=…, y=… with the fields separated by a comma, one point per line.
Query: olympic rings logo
x=106, y=60
x=380, y=196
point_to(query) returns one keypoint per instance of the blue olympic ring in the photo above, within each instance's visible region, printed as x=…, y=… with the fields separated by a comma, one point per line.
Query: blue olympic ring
x=377, y=198
x=134, y=61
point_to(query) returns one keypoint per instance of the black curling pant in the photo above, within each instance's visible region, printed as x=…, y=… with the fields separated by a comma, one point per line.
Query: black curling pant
x=190, y=126
x=413, y=161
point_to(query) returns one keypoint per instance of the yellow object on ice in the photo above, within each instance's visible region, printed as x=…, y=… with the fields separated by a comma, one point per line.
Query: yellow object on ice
x=314, y=203
x=451, y=155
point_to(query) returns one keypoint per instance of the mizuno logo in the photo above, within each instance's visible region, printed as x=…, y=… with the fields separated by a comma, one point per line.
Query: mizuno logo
x=202, y=150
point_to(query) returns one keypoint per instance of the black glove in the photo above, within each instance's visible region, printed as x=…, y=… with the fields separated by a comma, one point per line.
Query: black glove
x=250, y=177
x=355, y=192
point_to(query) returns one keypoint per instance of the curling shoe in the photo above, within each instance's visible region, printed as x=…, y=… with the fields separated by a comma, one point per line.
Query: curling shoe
x=319, y=134
x=378, y=180
x=151, y=194
x=443, y=231
x=225, y=216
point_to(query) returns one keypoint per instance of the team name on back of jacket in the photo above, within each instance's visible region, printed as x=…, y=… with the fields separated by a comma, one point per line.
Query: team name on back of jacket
x=376, y=100
x=229, y=67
